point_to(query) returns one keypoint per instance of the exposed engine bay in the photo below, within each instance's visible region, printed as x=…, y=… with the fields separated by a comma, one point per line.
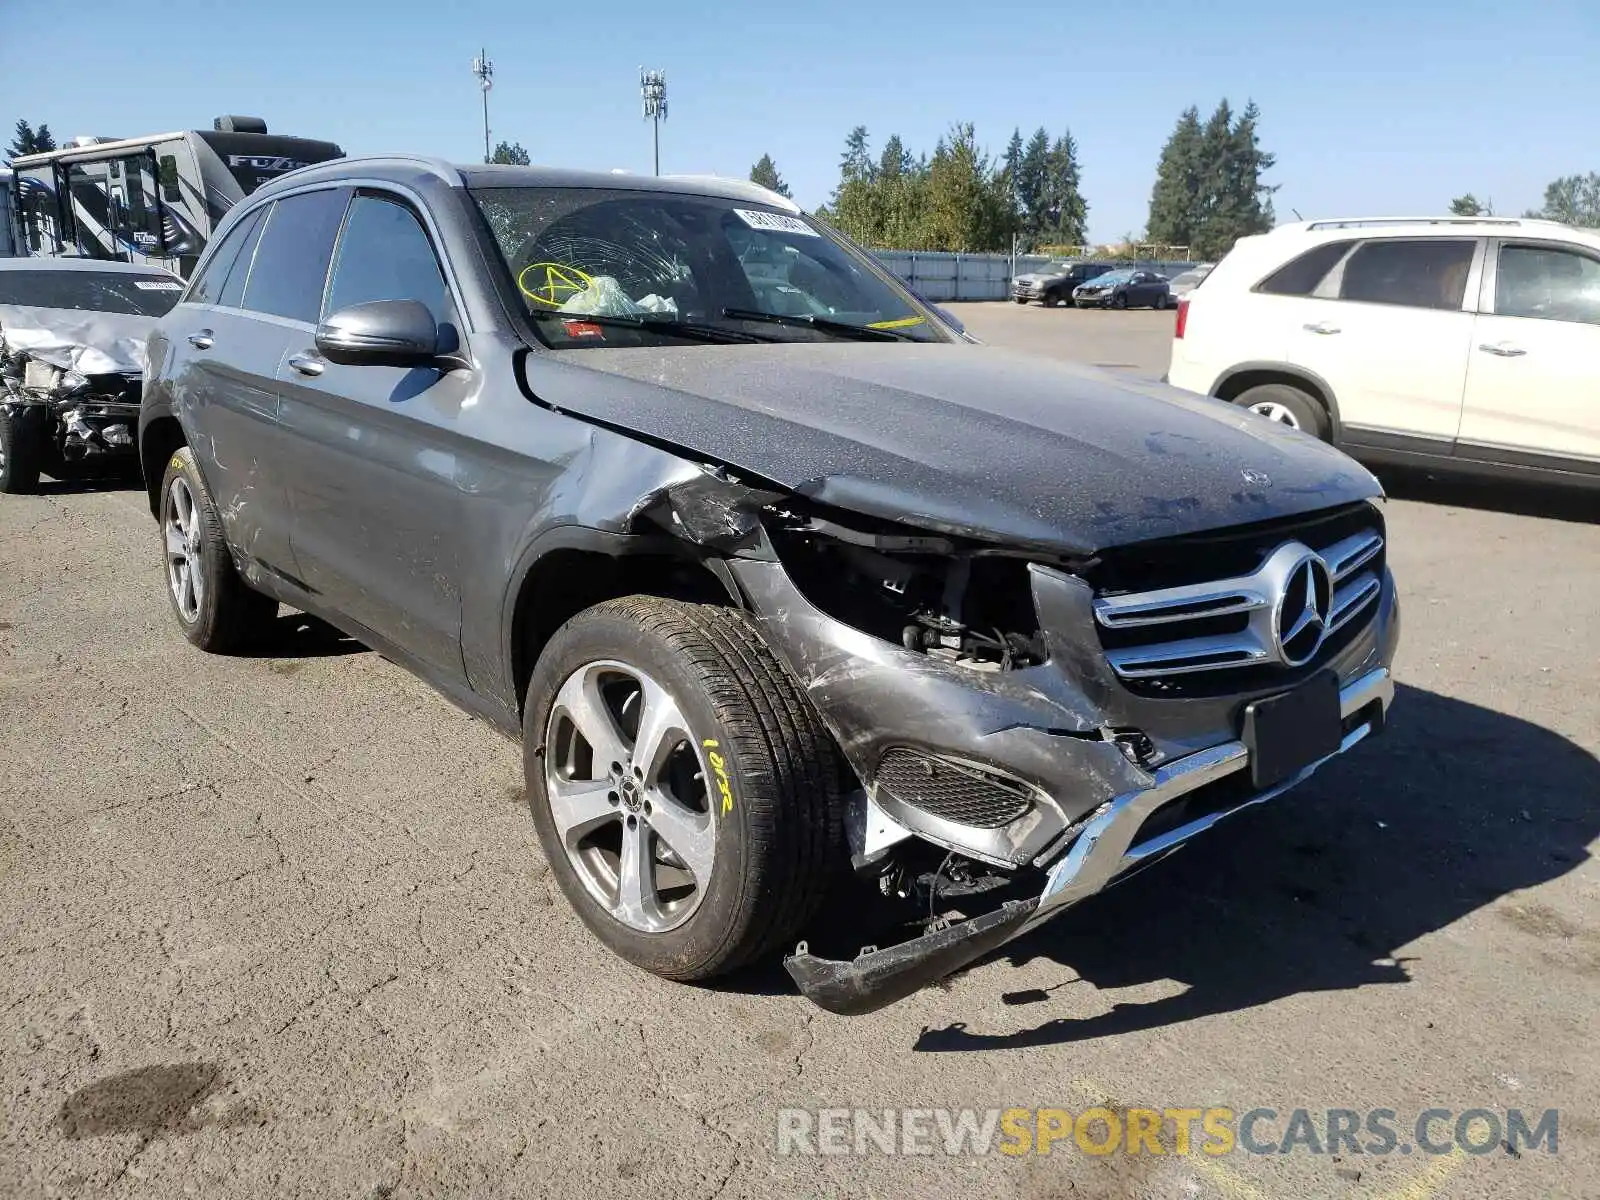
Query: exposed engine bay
x=70, y=409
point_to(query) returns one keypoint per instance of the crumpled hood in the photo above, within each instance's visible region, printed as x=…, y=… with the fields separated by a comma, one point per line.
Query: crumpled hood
x=76, y=340
x=958, y=438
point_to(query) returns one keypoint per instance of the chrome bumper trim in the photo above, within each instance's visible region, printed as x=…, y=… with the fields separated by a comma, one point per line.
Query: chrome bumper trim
x=1103, y=850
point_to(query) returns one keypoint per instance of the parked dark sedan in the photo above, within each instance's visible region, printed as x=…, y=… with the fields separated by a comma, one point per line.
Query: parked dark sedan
x=1125, y=289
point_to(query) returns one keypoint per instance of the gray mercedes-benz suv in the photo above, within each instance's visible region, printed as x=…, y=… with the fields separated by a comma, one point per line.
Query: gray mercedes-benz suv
x=776, y=578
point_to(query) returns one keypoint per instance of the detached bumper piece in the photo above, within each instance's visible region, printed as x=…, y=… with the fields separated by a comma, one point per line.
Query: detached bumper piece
x=1107, y=846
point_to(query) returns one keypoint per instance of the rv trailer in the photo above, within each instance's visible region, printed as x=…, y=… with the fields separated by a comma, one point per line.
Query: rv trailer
x=148, y=200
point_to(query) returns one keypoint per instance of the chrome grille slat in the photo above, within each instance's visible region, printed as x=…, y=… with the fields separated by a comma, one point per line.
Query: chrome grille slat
x=1349, y=600
x=1227, y=624
x=1350, y=554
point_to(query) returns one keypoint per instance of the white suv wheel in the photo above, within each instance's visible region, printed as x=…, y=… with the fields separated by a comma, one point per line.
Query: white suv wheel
x=1274, y=411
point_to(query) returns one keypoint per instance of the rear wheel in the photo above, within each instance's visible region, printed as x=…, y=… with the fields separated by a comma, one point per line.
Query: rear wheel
x=683, y=789
x=1287, y=405
x=1161, y=300
x=215, y=608
x=22, y=447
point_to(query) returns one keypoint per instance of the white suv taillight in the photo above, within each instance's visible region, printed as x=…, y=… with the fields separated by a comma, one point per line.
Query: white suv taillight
x=1183, y=317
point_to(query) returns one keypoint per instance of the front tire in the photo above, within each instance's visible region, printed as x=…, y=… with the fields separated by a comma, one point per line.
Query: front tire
x=1051, y=299
x=1287, y=405
x=684, y=791
x=22, y=447
x=217, y=611
x=1120, y=300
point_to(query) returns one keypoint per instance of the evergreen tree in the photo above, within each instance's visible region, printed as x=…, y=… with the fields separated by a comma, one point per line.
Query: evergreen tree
x=1032, y=180
x=857, y=161
x=1209, y=191
x=1175, y=198
x=765, y=172
x=28, y=140
x=1065, y=212
x=1467, y=206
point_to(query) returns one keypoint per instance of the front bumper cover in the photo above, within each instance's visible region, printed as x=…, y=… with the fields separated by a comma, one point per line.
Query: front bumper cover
x=1106, y=848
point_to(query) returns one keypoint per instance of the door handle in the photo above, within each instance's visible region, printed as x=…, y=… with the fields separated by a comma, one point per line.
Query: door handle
x=1320, y=327
x=1503, y=349
x=201, y=339
x=307, y=363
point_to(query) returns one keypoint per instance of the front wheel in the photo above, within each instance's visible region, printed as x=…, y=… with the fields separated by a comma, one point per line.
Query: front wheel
x=1051, y=299
x=215, y=608
x=22, y=447
x=1120, y=300
x=683, y=789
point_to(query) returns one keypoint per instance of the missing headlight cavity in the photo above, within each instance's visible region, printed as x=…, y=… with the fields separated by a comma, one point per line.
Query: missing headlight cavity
x=967, y=605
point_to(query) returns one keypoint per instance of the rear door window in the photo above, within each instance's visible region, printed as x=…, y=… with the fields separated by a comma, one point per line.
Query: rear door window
x=291, y=259
x=208, y=284
x=239, y=272
x=1419, y=273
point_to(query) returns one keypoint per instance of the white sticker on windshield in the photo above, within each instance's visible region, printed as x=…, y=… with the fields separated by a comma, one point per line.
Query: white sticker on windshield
x=775, y=222
x=157, y=285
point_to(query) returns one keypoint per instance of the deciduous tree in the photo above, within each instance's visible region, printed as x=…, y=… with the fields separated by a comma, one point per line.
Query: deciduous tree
x=510, y=154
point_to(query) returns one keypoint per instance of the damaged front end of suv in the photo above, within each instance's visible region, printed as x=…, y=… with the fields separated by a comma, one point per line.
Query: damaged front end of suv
x=72, y=336
x=61, y=419
x=1028, y=725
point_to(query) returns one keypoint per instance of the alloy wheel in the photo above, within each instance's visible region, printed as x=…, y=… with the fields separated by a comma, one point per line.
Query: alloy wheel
x=626, y=783
x=182, y=531
x=1274, y=411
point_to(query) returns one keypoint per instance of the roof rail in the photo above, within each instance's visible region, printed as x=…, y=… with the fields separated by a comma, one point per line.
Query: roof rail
x=440, y=167
x=1364, y=222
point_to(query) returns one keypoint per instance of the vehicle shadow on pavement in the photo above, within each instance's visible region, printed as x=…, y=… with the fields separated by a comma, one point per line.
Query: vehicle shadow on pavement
x=1455, y=807
x=81, y=486
x=298, y=635
x=1523, y=499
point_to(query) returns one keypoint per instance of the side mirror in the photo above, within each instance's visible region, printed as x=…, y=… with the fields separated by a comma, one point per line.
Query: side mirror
x=390, y=333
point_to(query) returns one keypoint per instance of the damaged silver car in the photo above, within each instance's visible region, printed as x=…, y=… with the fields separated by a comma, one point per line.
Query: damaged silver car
x=784, y=586
x=72, y=335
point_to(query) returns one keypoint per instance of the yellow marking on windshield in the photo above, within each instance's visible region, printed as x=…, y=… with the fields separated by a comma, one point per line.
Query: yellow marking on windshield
x=901, y=323
x=552, y=284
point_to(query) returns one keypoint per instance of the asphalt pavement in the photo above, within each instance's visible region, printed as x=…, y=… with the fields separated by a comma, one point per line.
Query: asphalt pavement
x=279, y=926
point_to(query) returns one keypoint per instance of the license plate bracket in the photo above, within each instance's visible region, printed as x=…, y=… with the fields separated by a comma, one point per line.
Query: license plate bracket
x=1288, y=732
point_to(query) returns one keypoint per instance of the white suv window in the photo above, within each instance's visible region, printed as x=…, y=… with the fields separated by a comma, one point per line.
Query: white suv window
x=1301, y=275
x=1416, y=273
x=1548, y=284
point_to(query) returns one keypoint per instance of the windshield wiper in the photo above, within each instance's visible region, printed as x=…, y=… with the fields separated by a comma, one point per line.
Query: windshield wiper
x=861, y=333
x=660, y=323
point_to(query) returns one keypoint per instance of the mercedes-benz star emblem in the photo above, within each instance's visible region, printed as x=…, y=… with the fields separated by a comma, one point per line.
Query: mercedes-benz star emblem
x=1256, y=478
x=1301, y=620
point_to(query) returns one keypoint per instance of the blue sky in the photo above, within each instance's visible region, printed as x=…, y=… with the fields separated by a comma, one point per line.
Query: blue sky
x=1370, y=107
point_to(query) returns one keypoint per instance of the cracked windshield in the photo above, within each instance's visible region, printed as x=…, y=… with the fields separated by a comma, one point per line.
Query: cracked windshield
x=629, y=268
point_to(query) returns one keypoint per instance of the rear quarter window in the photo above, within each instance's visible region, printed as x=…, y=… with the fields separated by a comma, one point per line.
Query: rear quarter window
x=1301, y=275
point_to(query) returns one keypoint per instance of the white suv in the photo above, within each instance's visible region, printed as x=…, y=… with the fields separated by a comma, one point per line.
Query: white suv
x=1464, y=343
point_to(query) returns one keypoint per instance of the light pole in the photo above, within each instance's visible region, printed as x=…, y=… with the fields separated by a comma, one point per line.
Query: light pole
x=484, y=70
x=653, y=87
